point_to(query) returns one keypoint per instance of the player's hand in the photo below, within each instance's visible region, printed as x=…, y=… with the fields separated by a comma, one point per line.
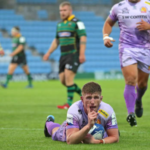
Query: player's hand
x=143, y=25
x=2, y=52
x=89, y=139
x=46, y=56
x=92, y=117
x=108, y=43
x=82, y=58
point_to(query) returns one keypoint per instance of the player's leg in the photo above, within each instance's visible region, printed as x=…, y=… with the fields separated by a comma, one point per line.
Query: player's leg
x=50, y=127
x=130, y=75
x=141, y=89
x=11, y=70
x=26, y=70
x=62, y=78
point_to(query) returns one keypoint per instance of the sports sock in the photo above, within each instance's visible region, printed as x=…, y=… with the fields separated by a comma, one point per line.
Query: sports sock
x=8, y=78
x=70, y=93
x=140, y=93
x=130, y=96
x=50, y=126
x=77, y=89
x=29, y=79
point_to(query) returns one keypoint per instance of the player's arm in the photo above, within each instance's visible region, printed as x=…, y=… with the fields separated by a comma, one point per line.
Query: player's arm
x=1, y=50
x=52, y=48
x=109, y=23
x=17, y=50
x=113, y=136
x=75, y=136
x=81, y=32
x=82, y=49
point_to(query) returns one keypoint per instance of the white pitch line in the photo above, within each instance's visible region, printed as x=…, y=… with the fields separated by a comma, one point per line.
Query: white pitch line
x=20, y=129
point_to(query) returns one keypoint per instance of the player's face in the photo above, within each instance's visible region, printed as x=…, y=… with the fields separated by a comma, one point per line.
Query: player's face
x=134, y=1
x=65, y=12
x=13, y=33
x=91, y=102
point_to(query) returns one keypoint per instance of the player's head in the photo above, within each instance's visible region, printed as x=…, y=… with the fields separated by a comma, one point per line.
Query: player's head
x=15, y=31
x=134, y=1
x=91, y=96
x=65, y=10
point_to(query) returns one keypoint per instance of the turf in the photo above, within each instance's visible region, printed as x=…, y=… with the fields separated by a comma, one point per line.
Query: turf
x=23, y=113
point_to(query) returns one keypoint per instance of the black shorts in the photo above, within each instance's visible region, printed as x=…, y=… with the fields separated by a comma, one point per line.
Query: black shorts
x=70, y=62
x=20, y=60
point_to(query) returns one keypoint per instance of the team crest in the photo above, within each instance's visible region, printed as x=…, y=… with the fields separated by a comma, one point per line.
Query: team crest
x=104, y=113
x=125, y=10
x=149, y=68
x=98, y=121
x=143, y=10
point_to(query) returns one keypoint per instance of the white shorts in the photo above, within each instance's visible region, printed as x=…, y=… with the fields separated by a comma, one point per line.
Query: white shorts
x=139, y=56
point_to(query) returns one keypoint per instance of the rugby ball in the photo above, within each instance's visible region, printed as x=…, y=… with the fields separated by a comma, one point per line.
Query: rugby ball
x=97, y=131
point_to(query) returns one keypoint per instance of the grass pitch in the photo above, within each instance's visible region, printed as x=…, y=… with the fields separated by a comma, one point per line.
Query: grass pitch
x=23, y=113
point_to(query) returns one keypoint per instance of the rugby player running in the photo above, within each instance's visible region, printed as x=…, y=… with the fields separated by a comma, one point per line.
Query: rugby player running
x=133, y=17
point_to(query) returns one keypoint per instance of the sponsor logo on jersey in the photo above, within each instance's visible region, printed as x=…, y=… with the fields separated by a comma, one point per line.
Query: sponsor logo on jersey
x=64, y=34
x=125, y=10
x=135, y=17
x=143, y=10
x=147, y=3
x=104, y=113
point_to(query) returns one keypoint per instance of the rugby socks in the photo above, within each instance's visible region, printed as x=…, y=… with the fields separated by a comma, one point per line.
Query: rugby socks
x=70, y=92
x=29, y=79
x=77, y=89
x=50, y=126
x=140, y=93
x=8, y=78
x=130, y=97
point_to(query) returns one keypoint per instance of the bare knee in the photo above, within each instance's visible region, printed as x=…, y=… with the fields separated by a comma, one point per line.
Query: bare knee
x=142, y=84
x=131, y=80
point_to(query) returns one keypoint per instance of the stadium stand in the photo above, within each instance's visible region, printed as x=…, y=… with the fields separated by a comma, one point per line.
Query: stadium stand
x=42, y=14
x=37, y=1
x=39, y=35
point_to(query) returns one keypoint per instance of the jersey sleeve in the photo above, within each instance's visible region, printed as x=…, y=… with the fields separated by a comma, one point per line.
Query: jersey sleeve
x=72, y=118
x=22, y=41
x=81, y=29
x=113, y=13
x=111, y=122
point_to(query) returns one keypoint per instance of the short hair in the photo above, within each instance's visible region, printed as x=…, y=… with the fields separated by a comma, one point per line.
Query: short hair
x=65, y=3
x=91, y=87
x=17, y=28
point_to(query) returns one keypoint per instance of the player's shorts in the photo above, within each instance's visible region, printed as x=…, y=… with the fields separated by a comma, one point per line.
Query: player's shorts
x=60, y=134
x=70, y=62
x=20, y=60
x=139, y=56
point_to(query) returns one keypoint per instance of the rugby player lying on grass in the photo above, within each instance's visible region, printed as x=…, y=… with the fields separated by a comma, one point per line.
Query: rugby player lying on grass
x=81, y=117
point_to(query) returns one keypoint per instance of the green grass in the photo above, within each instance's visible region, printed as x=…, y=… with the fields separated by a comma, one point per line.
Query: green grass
x=23, y=113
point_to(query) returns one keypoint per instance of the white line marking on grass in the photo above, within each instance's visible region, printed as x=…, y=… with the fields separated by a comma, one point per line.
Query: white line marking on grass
x=20, y=129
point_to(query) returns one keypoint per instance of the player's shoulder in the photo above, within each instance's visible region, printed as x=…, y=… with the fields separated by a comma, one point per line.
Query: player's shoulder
x=74, y=107
x=105, y=110
x=75, y=19
x=120, y=4
x=22, y=39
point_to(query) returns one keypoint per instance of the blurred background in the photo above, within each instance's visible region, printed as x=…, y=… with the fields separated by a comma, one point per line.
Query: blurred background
x=37, y=20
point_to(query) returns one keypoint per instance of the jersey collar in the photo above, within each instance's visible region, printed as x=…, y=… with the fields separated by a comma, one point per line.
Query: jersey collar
x=71, y=17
